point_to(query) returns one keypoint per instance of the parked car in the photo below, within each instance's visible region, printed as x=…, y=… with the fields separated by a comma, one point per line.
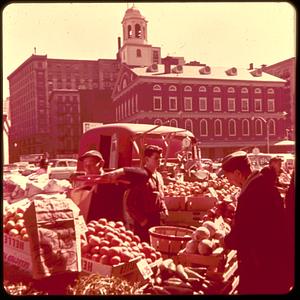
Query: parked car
x=29, y=169
x=62, y=168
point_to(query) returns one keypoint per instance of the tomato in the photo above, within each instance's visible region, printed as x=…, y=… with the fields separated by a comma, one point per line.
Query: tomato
x=19, y=216
x=25, y=237
x=104, y=259
x=96, y=257
x=116, y=242
x=10, y=225
x=136, y=239
x=119, y=224
x=94, y=240
x=115, y=260
x=102, y=221
x=85, y=248
x=95, y=249
x=104, y=250
x=13, y=232
x=113, y=251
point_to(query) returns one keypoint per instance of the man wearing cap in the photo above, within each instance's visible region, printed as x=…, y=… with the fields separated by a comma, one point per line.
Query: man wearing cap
x=93, y=162
x=259, y=230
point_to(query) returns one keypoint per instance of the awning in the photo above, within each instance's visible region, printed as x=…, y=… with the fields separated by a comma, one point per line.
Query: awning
x=285, y=143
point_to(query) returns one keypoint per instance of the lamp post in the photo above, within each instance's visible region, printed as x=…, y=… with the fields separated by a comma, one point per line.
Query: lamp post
x=267, y=124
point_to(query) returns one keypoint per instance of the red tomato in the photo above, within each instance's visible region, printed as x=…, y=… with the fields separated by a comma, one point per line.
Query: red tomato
x=95, y=249
x=85, y=248
x=116, y=242
x=94, y=240
x=104, y=259
x=104, y=250
x=95, y=257
x=115, y=260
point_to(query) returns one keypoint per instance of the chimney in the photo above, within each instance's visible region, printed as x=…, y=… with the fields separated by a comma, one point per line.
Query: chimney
x=251, y=66
x=119, y=43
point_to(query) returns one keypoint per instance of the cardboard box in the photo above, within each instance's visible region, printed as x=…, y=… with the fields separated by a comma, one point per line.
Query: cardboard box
x=17, y=252
x=121, y=270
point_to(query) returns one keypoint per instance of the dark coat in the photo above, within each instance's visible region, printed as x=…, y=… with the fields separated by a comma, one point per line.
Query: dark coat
x=259, y=235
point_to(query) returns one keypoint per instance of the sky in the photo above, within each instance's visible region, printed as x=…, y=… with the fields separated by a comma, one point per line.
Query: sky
x=216, y=33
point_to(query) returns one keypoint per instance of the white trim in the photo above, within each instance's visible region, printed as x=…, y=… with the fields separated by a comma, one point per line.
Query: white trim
x=202, y=88
x=258, y=121
x=245, y=121
x=216, y=100
x=216, y=89
x=271, y=104
x=206, y=127
x=160, y=102
x=274, y=127
x=232, y=100
x=187, y=88
x=172, y=88
x=230, y=90
x=257, y=100
x=244, y=90
x=172, y=98
x=175, y=123
x=186, y=100
x=215, y=131
x=247, y=101
x=205, y=102
x=257, y=91
x=156, y=87
x=191, y=123
x=157, y=123
x=234, y=127
x=270, y=91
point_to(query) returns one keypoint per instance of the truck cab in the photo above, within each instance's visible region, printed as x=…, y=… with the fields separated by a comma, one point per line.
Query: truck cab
x=122, y=144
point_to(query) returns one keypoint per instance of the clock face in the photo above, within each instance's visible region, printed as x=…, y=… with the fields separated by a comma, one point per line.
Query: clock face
x=186, y=142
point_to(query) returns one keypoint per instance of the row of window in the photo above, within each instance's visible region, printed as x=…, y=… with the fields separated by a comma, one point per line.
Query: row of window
x=218, y=127
x=217, y=104
x=127, y=108
x=216, y=89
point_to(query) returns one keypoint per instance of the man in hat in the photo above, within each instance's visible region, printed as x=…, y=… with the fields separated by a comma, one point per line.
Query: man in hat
x=93, y=162
x=259, y=232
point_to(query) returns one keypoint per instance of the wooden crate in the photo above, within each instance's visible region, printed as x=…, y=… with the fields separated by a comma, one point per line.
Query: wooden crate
x=184, y=218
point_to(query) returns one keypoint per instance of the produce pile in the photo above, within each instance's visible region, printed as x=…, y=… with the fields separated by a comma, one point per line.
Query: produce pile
x=95, y=284
x=17, y=289
x=110, y=243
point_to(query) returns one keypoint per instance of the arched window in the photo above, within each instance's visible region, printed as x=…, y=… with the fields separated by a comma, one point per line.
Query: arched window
x=187, y=88
x=244, y=90
x=128, y=107
x=189, y=125
x=216, y=89
x=203, y=128
x=138, y=31
x=157, y=122
x=172, y=88
x=245, y=127
x=138, y=53
x=202, y=88
x=270, y=91
x=231, y=127
x=258, y=127
x=271, y=124
x=124, y=83
x=230, y=90
x=156, y=87
x=218, y=127
x=129, y=31
x=173, y=123
x=257, y=90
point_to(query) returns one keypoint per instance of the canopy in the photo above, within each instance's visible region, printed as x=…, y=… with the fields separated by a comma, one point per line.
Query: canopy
x=285, y=143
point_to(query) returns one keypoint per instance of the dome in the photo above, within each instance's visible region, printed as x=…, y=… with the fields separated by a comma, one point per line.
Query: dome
x=132, y=12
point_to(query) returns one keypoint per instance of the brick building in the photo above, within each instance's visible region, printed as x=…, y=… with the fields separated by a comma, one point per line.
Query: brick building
x=226, y=109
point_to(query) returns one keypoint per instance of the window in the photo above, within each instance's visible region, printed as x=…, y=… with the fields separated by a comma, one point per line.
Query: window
x=138, y=53
x=172, y=88
x=203, y=128
x=129, y=31
x=157, y=103
x=217, y=104
x=258, y=127
x=138, y=31
x=230, y=90
x=202, y=104
x=189, y=125
x=245, y=104
x=122, y=113
x=124, y=83
x=157, y=122
x=125, y=109
x=257, y=90
x=156, y=87
x=202, y=88
x=231, y=104
x=136, y=103
x=245, y=127
x=271, y=124
x=132, y=105
x=173, y=123
x=187, y=88
x=244, y=90
x=271, y=105
x=218, y=127
x=155, y=57
x=257, y=105
x=270, y=91
x=216, y=89
x=231, y=127
x=128, y=107
x=172, y=103
x=188, y=103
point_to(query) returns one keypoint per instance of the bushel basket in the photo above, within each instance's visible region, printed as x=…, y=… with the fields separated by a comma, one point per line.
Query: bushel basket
x=169, y=240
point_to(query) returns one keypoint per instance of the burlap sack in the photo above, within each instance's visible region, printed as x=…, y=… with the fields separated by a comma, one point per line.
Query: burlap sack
x=54, y=236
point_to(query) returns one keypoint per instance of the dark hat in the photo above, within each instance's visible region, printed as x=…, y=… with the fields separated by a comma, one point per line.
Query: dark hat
x=234, y=161
x=91, y=153
x=275, y=158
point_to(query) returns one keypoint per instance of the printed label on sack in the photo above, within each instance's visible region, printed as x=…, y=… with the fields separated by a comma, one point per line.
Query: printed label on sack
x=16, y=258
x=144, y=268
x=15, y=243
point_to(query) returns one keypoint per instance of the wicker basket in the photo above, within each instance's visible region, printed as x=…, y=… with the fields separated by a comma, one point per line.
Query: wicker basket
x=169, y=240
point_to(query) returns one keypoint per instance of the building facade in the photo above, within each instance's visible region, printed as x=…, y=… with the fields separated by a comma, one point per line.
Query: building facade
x=287, y=70
x=45, y=102
x=226, y=109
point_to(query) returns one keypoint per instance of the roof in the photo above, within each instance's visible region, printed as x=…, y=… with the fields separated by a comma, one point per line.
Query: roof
x=192, y=72
x=142, y=128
